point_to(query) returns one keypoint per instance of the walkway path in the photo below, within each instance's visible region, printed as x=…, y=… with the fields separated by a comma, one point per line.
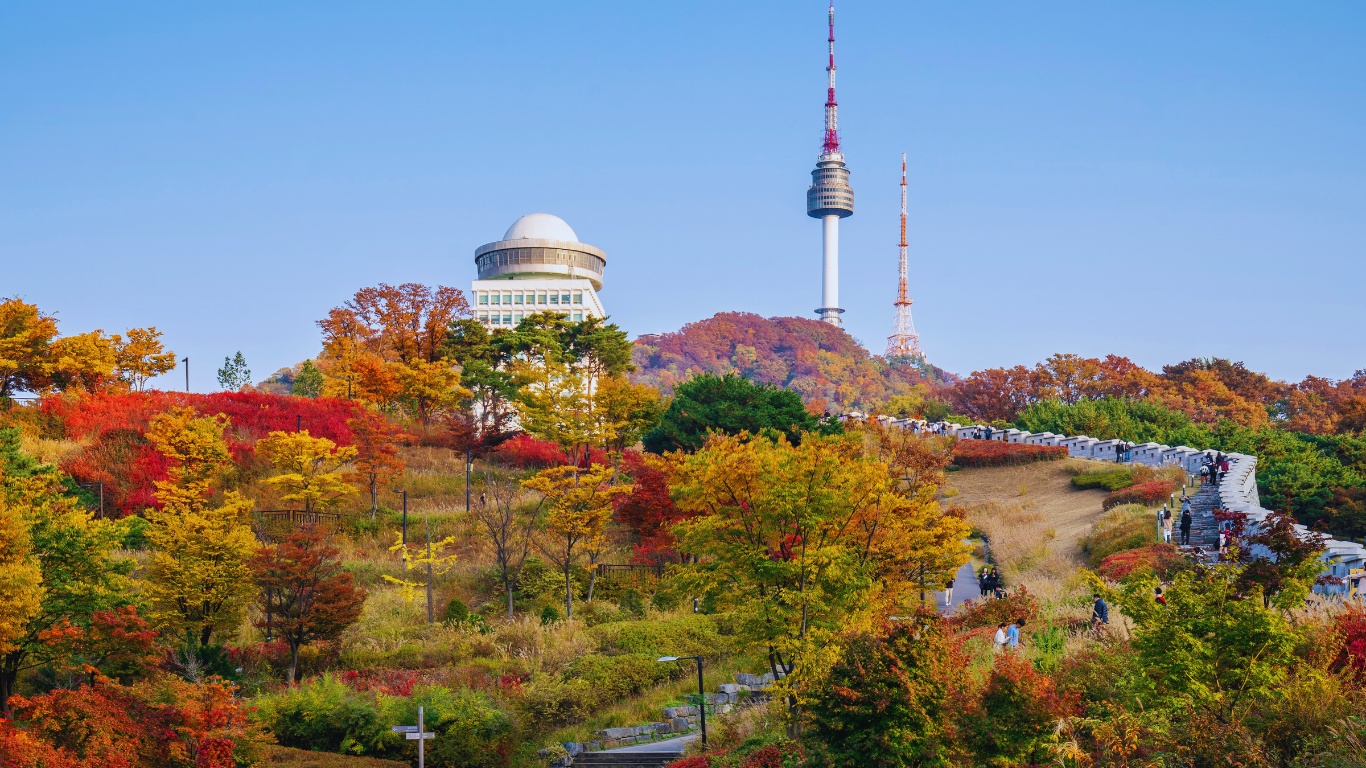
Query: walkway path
x=964, y=588
x=675, y=744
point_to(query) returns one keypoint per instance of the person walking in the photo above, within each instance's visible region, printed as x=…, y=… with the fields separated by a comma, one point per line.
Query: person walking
x=984, y=580
x=1158, y=597
x=998, y=643
x=997, y=587
x=1167, y=525
x=1013, y=634
x=1100, y=613
x=948, y=592
x=1186, y=527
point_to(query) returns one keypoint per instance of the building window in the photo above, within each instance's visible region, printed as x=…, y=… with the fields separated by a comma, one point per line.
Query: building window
x=578, y=316
x=565, y=298
x=540, y=298
x=554, y=298
x=497, y=298
x=507, y=319
x=483, y=298
x=578, y=297
x=516, y=298
x=517, y=317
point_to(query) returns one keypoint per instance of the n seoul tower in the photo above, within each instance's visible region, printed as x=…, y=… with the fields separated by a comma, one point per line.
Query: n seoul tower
x=830, y=198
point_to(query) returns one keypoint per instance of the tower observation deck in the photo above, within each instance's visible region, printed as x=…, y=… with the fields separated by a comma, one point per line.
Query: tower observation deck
x=830, y=198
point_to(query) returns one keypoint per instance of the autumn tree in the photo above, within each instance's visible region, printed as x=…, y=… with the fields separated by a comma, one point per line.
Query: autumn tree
x=80, y=574
x=648, y=511
x=624, y=411
x=33, y=358
x=436, y=558
x=140, y=356
x=21, y=578
x=118, y=644
x=311, y=470
x=799, y=540
x=578, y=506
x=484, y=359
x=386, y=345
x=307, y=595
x=510, y=523
x=377, y=460
x=198, y=575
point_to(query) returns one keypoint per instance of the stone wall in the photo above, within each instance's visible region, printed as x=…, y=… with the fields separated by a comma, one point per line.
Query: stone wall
x=1237, y=489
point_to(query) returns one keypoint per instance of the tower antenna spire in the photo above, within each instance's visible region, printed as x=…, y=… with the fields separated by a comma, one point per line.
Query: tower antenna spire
x=904, y=341
x=830, y=198
x=832, y=134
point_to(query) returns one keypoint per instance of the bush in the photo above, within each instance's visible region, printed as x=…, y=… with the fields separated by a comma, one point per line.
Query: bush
x=1148, y=494
x=617, y=677
x=631, y=602
x=1127, y=527
x=994, y=453
x=456, y=612
x=550, y=614
x=1017, y=604
x=1163, y=560
x=549, y=702
x=688, y=635
x=323, y=714
x=472, y=730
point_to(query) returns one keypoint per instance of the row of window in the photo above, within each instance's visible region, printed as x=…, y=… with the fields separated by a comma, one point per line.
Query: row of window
x=513, y=318
x=560, y=256
x=530, y=297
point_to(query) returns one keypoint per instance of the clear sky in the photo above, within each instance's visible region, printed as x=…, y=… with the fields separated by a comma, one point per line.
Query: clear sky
x=1158, y=179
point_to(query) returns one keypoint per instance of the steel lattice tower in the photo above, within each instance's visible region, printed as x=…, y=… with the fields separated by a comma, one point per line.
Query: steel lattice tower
x=904, y=341
x=830, y=198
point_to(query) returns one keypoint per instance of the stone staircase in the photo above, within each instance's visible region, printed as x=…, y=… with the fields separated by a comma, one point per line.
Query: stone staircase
x=626, y=759
x=1204, y=528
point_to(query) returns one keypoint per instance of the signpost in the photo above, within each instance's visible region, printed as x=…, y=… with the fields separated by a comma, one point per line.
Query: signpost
x=416, y=733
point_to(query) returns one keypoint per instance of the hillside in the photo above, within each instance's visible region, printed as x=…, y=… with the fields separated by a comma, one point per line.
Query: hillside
x=822, y=363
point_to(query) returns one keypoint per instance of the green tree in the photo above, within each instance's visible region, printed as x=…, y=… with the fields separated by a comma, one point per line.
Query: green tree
x=308, y=382
x=234, y=374
x=80, y=572
x=730, y=405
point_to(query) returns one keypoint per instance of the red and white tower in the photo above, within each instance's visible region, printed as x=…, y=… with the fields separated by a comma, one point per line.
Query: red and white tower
x=830, y=198
x=904, y=341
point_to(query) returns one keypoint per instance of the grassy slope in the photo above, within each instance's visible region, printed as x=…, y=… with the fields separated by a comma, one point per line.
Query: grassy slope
x=299, y=758
x=1044, y=488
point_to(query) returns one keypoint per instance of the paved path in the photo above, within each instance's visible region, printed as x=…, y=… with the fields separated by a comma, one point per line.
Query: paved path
x=964, y=588
x=675, y=744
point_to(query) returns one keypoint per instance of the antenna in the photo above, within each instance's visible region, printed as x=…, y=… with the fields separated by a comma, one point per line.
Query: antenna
x=832, y=136
x=904, y=341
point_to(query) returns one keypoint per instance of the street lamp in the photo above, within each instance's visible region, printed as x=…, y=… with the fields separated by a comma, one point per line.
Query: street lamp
x=701, y=690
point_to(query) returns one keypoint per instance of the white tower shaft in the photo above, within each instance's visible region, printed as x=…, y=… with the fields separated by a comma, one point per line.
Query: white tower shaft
x=830, y=198
x=830, y=283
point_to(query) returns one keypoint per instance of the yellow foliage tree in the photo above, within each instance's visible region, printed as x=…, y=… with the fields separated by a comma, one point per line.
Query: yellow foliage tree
x=804, y=541
x=625, y=411
x=21, y=578
x=579, y=504
x=437, y=559
x=198, y=578
x=311, y=469
x=141, y=356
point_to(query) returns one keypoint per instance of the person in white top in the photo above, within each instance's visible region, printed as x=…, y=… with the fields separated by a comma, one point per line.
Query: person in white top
x=999, y=641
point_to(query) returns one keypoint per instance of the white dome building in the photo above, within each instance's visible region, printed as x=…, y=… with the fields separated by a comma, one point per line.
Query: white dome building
x=538, y=266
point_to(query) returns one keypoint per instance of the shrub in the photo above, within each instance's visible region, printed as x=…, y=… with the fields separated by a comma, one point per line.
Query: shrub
x=617, y=677
x=550, y=614
x=631, y=602
x=549, y=701
x=994, y=453
x=688, y=635
x=1148, y=494
x=472, y=730
x=1017, y=604
x=1016, y=714
x=1127, y=527
x=323, y=714
x=456, y=612
x=1164, y=560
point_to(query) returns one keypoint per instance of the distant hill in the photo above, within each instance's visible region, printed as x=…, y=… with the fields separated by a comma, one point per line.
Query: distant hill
x=820, y=362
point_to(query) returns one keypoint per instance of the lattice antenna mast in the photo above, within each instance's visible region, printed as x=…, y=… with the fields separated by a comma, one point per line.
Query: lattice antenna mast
x=831, y=145
x=904, y=341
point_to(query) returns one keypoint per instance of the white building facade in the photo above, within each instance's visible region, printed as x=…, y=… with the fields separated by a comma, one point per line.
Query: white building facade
x=538, y=266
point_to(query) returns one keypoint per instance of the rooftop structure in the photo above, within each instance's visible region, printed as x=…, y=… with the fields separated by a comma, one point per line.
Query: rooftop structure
x=538, y=266
x=830, y=198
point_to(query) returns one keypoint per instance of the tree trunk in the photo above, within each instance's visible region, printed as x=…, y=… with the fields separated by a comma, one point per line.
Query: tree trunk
x=293, y=661
x=592, y=580
x=507, y=585
x=568, y=592
x=374, y=496
x=204, y=636
x=9, y=674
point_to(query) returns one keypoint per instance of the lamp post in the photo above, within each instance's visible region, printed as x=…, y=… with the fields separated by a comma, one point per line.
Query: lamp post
x=186, y=361
x=468, y=464
x=701, y=690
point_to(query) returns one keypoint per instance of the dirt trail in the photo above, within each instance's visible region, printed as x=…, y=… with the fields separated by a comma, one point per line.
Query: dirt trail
x=1045, y=488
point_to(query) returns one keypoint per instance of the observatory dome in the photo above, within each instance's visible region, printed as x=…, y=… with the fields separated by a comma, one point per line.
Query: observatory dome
x=541, y=226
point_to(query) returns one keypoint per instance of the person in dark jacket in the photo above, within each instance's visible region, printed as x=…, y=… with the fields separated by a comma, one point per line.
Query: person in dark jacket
x=1185, y=527
x=1100, y=612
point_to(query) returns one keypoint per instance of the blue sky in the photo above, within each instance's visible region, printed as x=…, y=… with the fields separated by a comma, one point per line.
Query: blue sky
x=1162, y=180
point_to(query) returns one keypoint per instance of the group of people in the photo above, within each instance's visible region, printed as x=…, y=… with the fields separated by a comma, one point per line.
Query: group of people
x=1213, y=468
x=990, y=582
x=1183, y=523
